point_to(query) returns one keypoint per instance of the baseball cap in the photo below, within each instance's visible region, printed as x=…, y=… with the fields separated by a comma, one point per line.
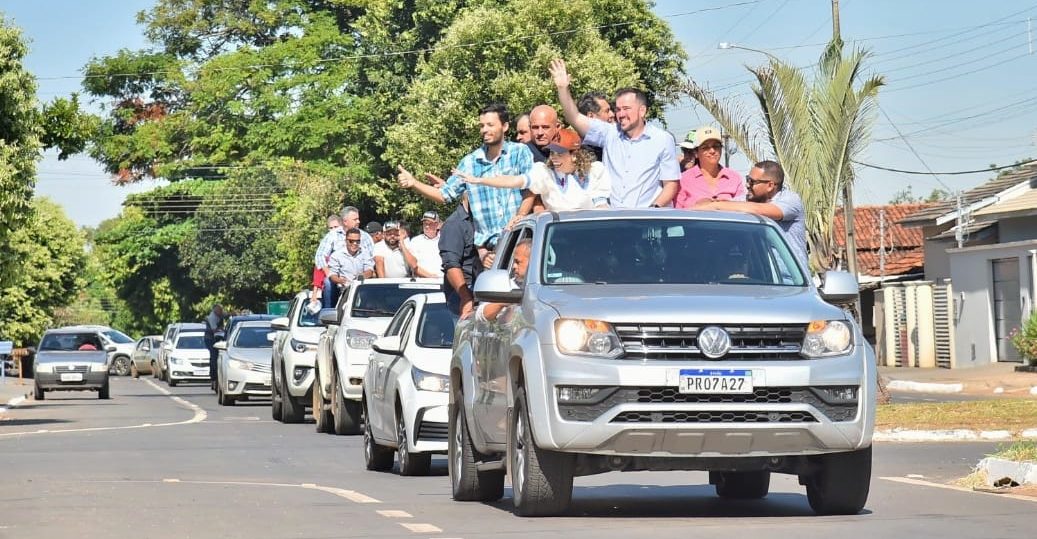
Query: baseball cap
x=689, y=141
x=430, y=216
x=372, y=227
x=391, y=225
x=567, y=141
x=703, y=134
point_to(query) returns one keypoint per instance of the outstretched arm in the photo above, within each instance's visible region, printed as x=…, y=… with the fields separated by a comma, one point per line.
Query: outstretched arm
x=408, y=181
x=560, y=75
x=765, y=209
x=503, y=182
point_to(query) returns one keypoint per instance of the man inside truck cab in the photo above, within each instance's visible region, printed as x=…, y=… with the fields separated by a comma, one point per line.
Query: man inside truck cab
x=519, y=265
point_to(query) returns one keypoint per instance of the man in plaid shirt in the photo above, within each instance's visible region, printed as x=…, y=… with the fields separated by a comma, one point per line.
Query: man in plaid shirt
x=491, y=208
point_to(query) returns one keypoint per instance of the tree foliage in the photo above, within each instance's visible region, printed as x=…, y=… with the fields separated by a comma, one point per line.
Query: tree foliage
x=907, y=196
x=814, y=128
x=50, y=257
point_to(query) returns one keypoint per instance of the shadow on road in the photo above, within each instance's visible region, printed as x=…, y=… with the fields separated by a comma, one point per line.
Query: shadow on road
x=28, y=422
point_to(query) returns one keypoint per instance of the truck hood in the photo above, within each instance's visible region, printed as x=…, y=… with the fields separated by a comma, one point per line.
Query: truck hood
x=689, y=304
x=83, y=356
x=376, y=325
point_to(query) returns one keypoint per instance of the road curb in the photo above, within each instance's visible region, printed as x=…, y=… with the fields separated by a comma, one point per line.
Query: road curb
x=952, y=435
x=12, y=403
x=924, y=387
x=1024, y=473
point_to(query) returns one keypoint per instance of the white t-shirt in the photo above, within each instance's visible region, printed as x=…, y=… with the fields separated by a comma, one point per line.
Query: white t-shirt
x=564, y=192
x=426, y=251
x=395, y=265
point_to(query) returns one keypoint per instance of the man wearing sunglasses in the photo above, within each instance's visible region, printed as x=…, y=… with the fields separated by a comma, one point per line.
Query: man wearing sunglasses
x=347, y=264
x=767, y=196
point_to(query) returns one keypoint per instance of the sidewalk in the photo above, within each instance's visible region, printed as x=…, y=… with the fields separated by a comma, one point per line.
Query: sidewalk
x=11, y=391
x=998, y=379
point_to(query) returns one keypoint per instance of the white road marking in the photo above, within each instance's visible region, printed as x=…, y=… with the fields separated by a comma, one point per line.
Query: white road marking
x=420, y=528
x=350, y=495
x=920, y=483
x=199, y=416
x=394, y=513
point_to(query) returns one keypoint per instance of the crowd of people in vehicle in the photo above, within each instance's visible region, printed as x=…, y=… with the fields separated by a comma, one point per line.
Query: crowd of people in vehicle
x=608, y=156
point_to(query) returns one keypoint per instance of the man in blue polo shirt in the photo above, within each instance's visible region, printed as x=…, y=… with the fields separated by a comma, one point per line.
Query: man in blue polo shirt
x=641, y=158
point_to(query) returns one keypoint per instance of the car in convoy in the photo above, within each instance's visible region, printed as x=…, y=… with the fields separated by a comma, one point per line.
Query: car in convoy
x=228, y=327
x=144, y=358
x=649, y=340
x=187, y=359
x=71, y=359
x=244, y=362
x=294, y=348
x=363, y=312
x=406, y=387
x=168, y=341
x=119, y=358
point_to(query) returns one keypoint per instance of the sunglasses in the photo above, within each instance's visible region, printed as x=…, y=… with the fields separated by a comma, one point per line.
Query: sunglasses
x=352, y=241
x=706, y=147
x=752, y=182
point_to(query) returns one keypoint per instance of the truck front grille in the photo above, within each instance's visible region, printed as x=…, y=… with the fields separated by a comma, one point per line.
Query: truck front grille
x=680, y=341
x=671, y=416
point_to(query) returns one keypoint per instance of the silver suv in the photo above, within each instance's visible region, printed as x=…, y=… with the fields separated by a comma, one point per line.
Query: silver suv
x=659, y=340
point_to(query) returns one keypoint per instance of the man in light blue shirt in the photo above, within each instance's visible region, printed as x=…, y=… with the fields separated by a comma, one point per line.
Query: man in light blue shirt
x=641, y=159
x=768, y=196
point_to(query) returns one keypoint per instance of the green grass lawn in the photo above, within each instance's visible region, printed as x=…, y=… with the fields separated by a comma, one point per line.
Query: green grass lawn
x=999, y=414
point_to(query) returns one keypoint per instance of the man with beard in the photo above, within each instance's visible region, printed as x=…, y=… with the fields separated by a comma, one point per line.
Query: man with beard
x=596, y=105
x=641, y=159
x=491, y=209
x=768, y=196
x=519, y=264
x=389, y=259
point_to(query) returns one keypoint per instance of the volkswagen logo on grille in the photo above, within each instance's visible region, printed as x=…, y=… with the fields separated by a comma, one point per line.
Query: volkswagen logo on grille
x=714, y=342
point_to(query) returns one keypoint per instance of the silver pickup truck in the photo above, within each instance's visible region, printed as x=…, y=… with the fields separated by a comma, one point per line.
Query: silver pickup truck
x=659, y=340
x=71, y=359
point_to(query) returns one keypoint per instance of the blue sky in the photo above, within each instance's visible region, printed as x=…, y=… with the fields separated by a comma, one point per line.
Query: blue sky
x=961, y=82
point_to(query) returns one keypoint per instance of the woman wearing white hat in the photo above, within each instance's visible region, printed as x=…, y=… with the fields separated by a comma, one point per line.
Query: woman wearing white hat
x=708, y=179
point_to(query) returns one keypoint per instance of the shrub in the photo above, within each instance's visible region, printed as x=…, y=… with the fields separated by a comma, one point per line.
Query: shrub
x=1025, y=339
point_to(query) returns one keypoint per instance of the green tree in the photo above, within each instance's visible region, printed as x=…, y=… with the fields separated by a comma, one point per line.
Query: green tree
x=814, y=128
x=48, y=276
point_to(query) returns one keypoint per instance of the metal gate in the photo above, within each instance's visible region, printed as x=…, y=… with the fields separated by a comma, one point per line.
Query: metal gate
x=917, y=320
x=1008, y=312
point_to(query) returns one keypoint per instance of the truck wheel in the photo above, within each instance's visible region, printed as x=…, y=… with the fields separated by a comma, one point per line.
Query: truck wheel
x=467, y=483
x=103, y=392
x=345, y=412
x=839, y=483
x=741, y=485
x=322, y=417
x=275, y=397
x=541, y=480
x=38, y=393
x=121, y=365
x=291, y=410
x=377, y=457
x=410, y=463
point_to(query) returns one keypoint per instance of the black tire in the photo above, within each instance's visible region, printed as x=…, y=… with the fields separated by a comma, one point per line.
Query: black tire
x=410, y=463
x=223, y=398
x=541, y=480
x=467, y=483
x=133, y=370
x=321, y=416
x=345, y=413
x=377, y=457
x=121, y=365
x=839, y=482
x=38, y=393
x=741, y=485
x=275, y=396
x=171, y=381
x=103, y=393
x=291, y=411
x=154, y=370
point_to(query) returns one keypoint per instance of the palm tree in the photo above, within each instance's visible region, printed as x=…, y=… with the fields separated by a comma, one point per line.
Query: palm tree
x=814, y=128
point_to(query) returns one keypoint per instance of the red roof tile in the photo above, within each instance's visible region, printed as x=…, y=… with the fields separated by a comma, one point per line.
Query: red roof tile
x=903, y=245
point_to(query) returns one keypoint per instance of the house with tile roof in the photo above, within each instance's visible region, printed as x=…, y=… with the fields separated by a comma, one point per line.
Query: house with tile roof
x=985, y=243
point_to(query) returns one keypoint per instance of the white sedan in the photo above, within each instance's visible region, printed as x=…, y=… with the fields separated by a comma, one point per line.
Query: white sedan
x=406, y=387
x=244, y=363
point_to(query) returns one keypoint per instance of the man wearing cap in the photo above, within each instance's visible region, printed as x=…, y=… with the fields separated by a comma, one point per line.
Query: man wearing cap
x=770, y=197
x=424, y=248
x=708, y=180
x=641, y=159
x=570, y=180
x=491, y=209
x=388, y=254
x=374, y=228
x=687, y=147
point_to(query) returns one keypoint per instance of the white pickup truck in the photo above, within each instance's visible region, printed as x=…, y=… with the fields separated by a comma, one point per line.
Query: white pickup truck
x=362, y=314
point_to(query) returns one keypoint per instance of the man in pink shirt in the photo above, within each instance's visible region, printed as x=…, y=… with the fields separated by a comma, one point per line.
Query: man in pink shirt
x=709, y=180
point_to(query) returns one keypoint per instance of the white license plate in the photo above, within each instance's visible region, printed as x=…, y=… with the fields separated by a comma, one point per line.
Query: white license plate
x=201, y=372
x=716, y=381
x=71, y=377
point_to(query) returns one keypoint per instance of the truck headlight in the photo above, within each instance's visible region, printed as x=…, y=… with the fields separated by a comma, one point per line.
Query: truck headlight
x=359, y=339
x=588, y=338
x=301, y=346
x=827, y=338
x=240, y=364
x=427, y=381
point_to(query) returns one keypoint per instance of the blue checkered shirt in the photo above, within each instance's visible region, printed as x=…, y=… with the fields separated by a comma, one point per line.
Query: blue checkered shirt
x=491, y=207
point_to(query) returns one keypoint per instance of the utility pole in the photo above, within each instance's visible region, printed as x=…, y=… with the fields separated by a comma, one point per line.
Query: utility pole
x=1029, y=34
x=959, y=231
x=851, y=233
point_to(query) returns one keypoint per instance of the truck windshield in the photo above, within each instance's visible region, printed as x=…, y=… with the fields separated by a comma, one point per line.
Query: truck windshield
x=668, y=251
x=382, y=300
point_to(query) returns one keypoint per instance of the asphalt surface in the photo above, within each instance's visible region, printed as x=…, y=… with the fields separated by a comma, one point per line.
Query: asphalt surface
x=145, y=465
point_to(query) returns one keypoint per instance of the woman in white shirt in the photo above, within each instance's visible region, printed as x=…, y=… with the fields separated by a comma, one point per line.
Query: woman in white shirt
x=570, y=180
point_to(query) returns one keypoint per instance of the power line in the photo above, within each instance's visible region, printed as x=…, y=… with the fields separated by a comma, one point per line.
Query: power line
x=956, y=172
x=959, y=75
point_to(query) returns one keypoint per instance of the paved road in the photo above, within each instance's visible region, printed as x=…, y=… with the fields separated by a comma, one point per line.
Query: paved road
x=146, y=465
